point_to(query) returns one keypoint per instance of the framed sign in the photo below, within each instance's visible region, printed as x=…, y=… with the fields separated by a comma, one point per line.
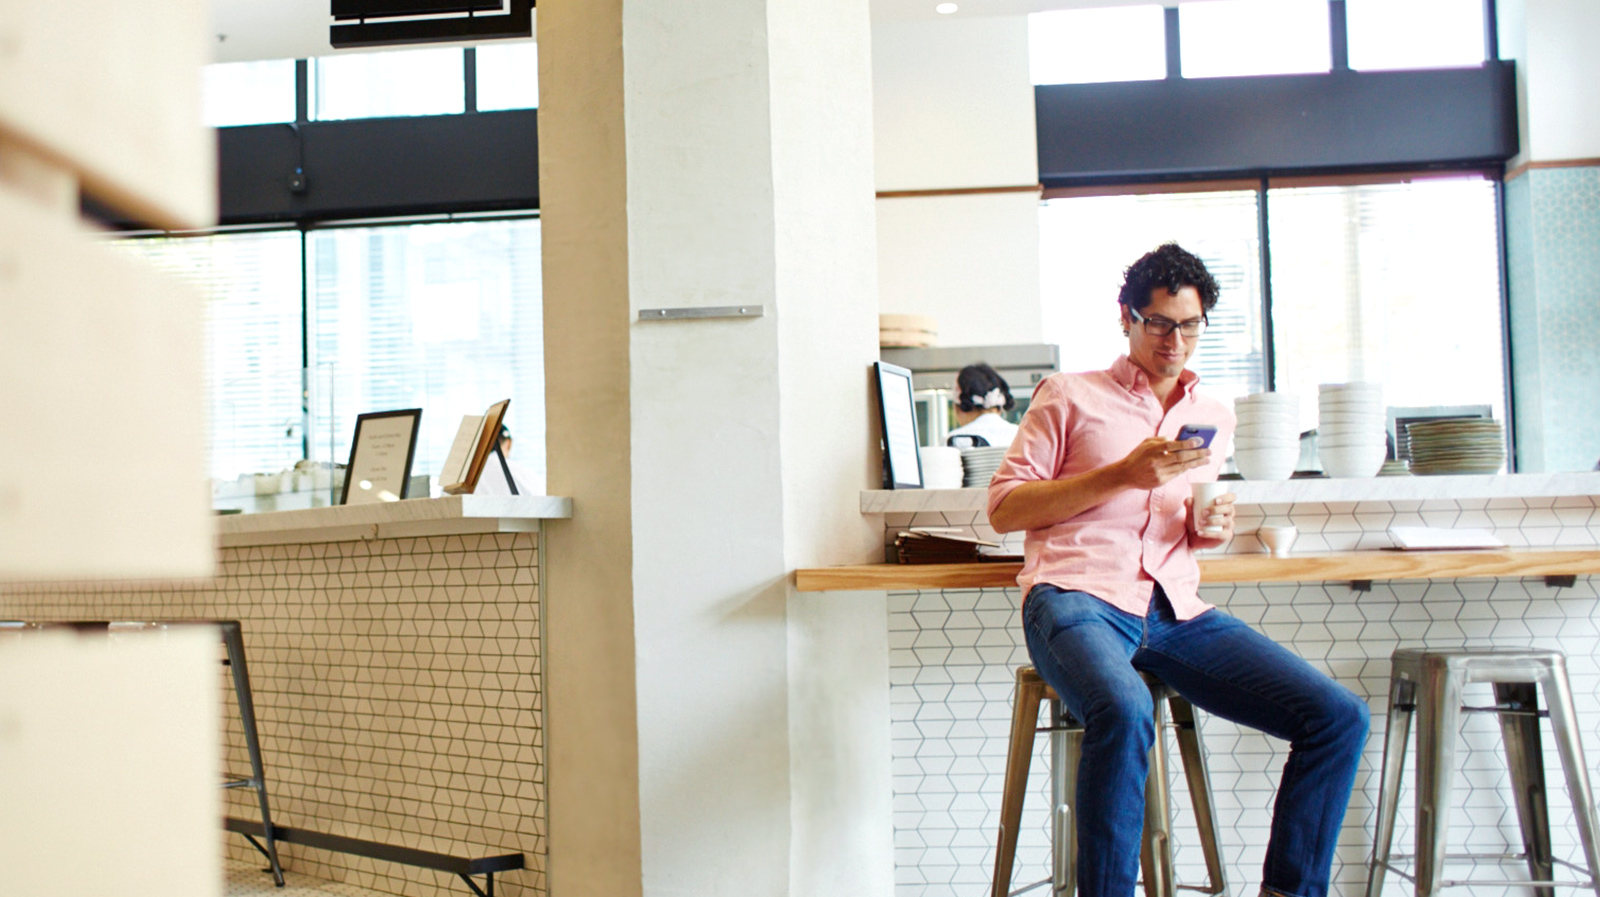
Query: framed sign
x=380, y=457
x=898, y=414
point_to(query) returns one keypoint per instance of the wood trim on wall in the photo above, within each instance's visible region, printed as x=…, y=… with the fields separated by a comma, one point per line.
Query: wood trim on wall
x=1553, y=163
x=1213, y=186
x=958, y=191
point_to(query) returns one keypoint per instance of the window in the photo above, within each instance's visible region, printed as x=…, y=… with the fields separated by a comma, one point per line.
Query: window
x=1086, y=242
x=443, y=317
x=508, y=76
x=1225, y=38
x=1395, y=282
x=248, y=93
x=251, y=282
x=1081, y=46
x=1414, y=34
x=1398, y=283
x=393, y=83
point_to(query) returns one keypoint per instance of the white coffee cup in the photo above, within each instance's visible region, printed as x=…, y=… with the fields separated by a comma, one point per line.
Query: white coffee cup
x=1204, y=494
x=1277, y=539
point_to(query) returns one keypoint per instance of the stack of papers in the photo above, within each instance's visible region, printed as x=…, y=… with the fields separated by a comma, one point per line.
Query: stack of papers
x=1421, y=538
x=935, y=546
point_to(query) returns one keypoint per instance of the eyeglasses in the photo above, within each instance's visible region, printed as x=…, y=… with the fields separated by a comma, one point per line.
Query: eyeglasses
x=1163, y=328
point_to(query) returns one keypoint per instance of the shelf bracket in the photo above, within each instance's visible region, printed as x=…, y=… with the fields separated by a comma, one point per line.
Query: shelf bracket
x=1561, y=582
x=1360, y=585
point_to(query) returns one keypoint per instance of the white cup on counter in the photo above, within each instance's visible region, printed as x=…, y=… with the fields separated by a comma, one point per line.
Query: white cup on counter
x=1277, y=539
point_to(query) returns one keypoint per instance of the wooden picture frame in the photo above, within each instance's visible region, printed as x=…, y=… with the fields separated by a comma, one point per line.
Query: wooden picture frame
x=381, y=452
x=488, y=438
x=897, y=412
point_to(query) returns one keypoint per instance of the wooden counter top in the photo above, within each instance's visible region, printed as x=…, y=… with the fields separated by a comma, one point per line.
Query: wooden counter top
x=1333, y=566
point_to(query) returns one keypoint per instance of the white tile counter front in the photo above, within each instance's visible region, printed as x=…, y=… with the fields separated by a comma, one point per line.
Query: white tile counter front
x=396, y=660
x=953, y=654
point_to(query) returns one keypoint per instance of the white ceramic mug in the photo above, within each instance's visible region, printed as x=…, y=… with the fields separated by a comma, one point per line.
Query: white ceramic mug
x=1204, y=494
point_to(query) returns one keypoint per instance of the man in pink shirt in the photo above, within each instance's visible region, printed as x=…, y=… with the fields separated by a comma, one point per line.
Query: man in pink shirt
x=1098, y=479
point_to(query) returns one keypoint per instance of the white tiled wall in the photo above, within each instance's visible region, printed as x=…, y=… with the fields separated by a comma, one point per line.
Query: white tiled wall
x=397, y=686
x=954, y=654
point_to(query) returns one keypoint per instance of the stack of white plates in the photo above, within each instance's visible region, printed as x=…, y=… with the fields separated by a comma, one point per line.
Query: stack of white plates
x=1456, y=446
x=1352, y=437
x=980, y=464
x=1266, y=443
x=941, y=467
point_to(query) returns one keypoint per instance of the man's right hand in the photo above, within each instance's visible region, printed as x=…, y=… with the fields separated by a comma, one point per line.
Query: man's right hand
x=1156, y=461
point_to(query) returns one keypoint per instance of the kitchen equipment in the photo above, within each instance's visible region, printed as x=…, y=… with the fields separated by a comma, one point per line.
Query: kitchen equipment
x=933, y=379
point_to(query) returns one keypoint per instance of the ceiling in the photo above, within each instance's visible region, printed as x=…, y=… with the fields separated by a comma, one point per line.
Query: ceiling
x=295, y=29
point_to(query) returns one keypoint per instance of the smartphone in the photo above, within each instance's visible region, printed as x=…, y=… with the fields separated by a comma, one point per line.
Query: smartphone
x=1206, y=432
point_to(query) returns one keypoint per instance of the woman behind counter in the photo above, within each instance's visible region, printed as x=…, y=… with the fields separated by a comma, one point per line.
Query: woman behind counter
x=983, y=397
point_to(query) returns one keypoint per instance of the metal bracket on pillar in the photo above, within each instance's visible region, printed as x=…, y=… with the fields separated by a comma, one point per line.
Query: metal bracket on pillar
x=703, y=311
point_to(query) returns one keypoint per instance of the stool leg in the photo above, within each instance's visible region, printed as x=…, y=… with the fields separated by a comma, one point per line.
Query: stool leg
x=233, y=640
x=1402, y=700
x=1156, y=856
x=1024, y=720
x=1199, y=779
x=1525, y=760
x=1066, y=750
x=1438, y=722
x=1564, y=725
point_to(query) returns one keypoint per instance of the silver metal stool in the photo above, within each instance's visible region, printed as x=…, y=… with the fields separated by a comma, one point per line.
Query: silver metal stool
x=1066, y=746
x=1429, y=683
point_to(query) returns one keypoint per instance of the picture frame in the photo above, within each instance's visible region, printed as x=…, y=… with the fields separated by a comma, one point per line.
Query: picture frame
x=488, y=439
x=897, y=412
x=381, y=452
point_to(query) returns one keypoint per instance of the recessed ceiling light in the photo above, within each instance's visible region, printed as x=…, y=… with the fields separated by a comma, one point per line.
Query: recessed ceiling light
x=945, y=9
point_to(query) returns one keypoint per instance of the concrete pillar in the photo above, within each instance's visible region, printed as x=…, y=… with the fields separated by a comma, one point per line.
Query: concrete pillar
x=712, y=153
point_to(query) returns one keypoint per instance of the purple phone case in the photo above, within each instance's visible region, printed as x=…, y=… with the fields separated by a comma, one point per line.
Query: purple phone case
x=1206, y=432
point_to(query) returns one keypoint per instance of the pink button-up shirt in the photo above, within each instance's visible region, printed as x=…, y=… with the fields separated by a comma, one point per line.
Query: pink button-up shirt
x=1118, y=550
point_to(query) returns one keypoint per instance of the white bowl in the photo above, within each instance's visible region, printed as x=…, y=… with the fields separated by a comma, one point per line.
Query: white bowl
x=1265, y=397
x=1277, y=539
x=1245, y=416
x=1266, y=463
x=1367, y=386
x=1327, y=416
x=1351, y=461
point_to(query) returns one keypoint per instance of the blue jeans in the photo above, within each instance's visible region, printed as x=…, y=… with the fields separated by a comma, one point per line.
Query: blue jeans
x=1091, y=653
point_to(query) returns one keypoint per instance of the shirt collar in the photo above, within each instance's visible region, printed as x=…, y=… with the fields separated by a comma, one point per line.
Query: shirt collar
x=1125, y=372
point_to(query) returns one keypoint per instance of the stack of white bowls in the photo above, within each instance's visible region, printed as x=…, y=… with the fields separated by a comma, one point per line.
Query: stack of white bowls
x=1351, y=432
x=1266, y=443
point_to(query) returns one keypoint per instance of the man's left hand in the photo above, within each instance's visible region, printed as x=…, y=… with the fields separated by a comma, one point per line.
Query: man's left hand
x=1222, y=511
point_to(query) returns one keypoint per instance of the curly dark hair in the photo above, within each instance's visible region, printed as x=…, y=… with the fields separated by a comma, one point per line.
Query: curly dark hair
x=975, y=381
x=1173, y=267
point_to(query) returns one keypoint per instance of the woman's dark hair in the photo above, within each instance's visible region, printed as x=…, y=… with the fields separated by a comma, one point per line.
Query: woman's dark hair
x=1173, y=267
x=975, y=382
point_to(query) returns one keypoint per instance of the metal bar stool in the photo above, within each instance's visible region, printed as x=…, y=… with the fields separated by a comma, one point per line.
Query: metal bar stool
x=1429, y=683
x=1066, y=746
x=233, y=641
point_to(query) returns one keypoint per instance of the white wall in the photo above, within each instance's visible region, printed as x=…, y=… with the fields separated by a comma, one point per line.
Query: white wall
x=1552, y=42
x=953, y=109
x=952, y=104
x=971, y=261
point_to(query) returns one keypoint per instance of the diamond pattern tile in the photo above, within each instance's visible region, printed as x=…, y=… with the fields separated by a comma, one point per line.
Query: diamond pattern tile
x=397, y=690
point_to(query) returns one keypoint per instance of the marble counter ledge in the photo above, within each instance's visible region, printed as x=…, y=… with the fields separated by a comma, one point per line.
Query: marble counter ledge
x=450, y=515
x=1310, y=490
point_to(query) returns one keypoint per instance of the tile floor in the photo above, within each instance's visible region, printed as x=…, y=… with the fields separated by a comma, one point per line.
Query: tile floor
x=248, y=880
